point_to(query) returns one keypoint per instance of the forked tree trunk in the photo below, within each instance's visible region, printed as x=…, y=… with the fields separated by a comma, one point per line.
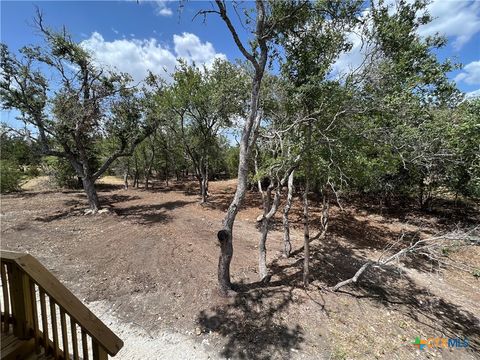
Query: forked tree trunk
x=225, y=235
x=247, y=141
x=89, y=187
x=287, y=245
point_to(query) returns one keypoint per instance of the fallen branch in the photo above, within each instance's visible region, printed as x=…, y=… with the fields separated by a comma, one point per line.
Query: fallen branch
x=430, y=247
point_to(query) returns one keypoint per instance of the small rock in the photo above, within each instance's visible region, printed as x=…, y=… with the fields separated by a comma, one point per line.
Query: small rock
x=198, y=331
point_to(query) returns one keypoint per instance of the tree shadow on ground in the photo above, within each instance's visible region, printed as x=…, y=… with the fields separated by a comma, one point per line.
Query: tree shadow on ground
x=188, y=187
x=441, y=210
x=393, y=286
x=253, y=326
x=77, y=205
x=26, y=194
x=106, y=187
x=112, y=200
x=150, y=214
x=221, y=199
x=332, y=261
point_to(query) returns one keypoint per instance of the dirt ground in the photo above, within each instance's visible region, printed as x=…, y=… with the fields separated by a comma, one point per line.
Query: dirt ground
x=148, y=268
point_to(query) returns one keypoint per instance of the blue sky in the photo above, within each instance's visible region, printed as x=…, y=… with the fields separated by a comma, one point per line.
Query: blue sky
x=151, y=35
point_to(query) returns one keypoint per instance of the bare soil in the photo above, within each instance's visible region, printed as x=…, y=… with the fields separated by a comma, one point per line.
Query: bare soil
x=149, y=267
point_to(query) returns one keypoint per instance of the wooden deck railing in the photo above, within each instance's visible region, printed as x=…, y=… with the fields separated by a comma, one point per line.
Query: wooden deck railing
x=35, y=305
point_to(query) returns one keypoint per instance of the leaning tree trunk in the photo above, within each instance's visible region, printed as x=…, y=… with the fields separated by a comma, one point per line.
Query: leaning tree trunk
x=248, y=139
x=225, y=236
x=287, y=245
x=89, y=187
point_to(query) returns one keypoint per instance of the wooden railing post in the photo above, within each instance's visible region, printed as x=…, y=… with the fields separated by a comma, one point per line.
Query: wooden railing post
x=21, y=275
x=99, y=352
x=22, y=304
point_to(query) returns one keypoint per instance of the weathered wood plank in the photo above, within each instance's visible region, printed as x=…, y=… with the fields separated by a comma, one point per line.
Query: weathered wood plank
x=43, y=307
x=6, y=299
x=22, y=304
x=73, y=327
x=99, y=352
x=53, y=319
x=36, y=332
x=84, y=345
x=63, y=322
x=72, y=305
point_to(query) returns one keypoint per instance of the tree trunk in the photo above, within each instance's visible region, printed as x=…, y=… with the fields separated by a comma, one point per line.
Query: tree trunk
x=262, y=251
x=125, y=179
x=166, y=168
x=421, y=188
x=306, y=230
x=287, y=245
x=203, y=179
x=203, y=189
x=136, y=173
x=89, y=187
x=226, y=247
x=248, y=139
x=226, y=253
x=306, y=236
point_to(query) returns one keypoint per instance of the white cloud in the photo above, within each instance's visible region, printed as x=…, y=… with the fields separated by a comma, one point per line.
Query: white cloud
x=459, y=20
x=473, y=94
x=189, y=46
x=351, y=60
x=137, y=56
x=161, y=8
x=470, y=74
x=165, y=12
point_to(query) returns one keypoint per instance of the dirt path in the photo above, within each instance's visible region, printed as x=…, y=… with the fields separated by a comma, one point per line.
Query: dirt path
x=148, y=268
x=140, y=344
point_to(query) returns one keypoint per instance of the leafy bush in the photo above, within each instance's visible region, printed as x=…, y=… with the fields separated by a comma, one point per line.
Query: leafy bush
x=10, y=176
x=61, y=172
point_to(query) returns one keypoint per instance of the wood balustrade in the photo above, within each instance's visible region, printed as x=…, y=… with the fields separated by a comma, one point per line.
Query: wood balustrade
x=49, y=320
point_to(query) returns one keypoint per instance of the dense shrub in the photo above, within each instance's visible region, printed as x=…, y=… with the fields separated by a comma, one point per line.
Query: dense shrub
x=10, y=176
x=61, y=172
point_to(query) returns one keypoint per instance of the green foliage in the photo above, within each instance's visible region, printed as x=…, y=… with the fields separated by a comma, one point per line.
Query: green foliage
x=396, y=126
x=61, y=172
x=231, y=161
x=10, y=176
